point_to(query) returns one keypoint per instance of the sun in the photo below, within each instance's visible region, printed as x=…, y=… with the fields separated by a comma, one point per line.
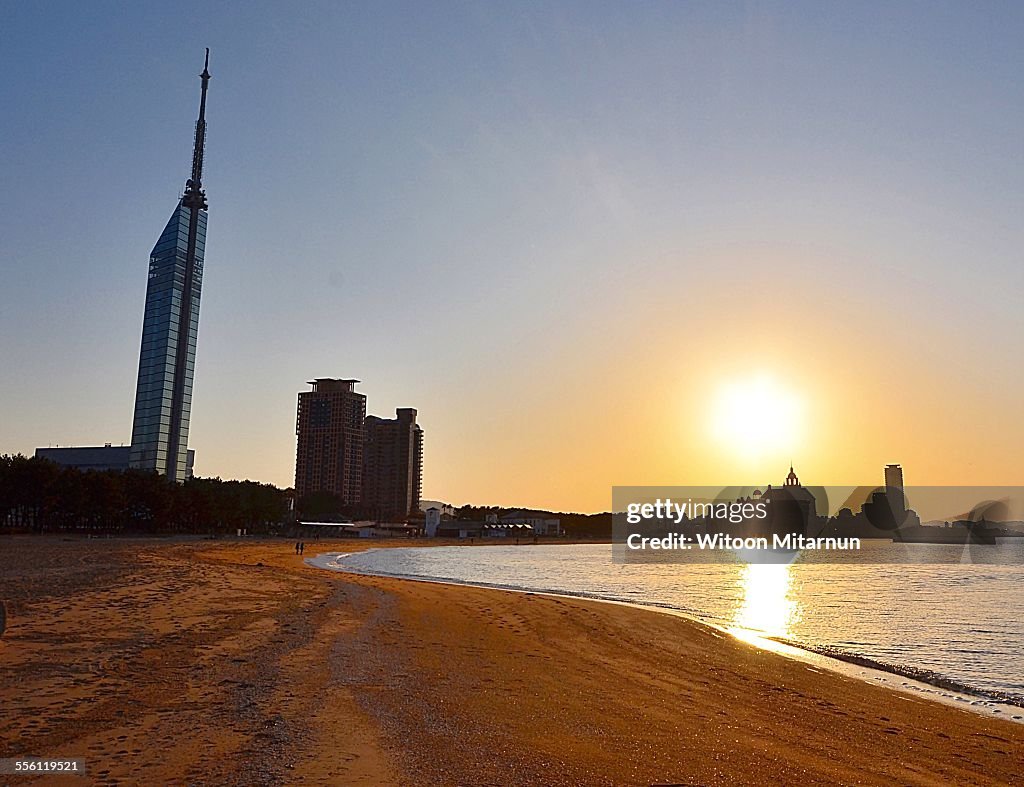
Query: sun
x=756, y=417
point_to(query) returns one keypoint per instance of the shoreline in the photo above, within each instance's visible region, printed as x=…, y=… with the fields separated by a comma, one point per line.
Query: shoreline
x=239, y=663
x=916, y=681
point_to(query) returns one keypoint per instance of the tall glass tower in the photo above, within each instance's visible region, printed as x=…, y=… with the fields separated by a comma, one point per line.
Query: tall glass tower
x=163, y=396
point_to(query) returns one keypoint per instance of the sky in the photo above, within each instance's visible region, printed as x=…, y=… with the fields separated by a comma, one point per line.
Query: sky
x=594, y=244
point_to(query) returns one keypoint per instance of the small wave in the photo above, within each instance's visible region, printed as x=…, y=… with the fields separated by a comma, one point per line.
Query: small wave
x=930, y=677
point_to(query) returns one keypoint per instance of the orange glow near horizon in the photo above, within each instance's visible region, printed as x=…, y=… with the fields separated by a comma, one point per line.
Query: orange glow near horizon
x=629, y=389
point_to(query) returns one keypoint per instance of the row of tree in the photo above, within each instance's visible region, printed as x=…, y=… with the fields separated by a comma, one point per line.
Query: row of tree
x=37, y=495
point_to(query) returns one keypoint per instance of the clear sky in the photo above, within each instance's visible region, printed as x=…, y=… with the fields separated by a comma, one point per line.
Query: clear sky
x=593, y=243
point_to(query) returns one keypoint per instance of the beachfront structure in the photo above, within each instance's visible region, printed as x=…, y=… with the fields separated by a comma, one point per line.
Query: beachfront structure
x=392, y=466
x=440, y=524
x=432, y=519
x=163, y=394
x=464, y=528
x=330, y=426
x=360, y=529
x=540, y=521
x=98, y=457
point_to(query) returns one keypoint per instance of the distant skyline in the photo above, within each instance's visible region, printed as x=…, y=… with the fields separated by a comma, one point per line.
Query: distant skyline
x=591, y=243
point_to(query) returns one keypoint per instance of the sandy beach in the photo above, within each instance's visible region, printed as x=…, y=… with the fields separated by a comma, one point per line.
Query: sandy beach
x=236, y=663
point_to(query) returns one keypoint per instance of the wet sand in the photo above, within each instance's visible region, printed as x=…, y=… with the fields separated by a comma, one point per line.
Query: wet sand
x=163, y=662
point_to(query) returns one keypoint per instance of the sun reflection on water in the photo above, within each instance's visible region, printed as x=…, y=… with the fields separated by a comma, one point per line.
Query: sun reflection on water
x=767, y=608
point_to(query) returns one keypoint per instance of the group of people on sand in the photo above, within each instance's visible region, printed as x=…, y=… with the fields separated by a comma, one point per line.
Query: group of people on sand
x=300, y=547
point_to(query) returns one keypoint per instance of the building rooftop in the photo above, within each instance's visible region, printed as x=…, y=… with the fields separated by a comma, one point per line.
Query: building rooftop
x=333, y=384
x=333, y=380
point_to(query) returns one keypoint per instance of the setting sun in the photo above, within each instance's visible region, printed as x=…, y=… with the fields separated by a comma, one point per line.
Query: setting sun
x=756, y=416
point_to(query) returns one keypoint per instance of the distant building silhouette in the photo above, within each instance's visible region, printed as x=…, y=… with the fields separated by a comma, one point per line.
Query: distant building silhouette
x=99, y=457
x=894, y=491
x=792, y=506
x=886, y=509
x=331, y=431
x=392, y=465
x=163, y=394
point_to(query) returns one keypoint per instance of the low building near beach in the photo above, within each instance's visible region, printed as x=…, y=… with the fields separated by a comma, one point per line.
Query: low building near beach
x=462, y=528
x=359, y=529
x=540, y=521
x=519, y=523
x=98, y=457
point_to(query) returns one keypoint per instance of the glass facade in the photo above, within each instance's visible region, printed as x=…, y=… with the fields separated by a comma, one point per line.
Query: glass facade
x=163, y=396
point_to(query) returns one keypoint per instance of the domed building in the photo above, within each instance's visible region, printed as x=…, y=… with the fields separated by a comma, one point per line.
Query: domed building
x=792, y=504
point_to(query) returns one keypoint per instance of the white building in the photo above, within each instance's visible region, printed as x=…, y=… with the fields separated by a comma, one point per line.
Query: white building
x=540, y=522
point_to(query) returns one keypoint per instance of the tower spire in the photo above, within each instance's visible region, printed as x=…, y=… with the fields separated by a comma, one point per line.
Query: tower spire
x=194, y=194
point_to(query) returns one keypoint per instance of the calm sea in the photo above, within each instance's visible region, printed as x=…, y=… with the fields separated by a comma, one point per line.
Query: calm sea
x=961, y=625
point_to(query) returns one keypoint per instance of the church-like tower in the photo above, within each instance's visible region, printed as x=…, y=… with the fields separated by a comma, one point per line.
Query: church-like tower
x=163, y=396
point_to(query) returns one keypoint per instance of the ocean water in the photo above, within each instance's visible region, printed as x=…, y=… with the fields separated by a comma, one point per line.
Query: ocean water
x=952, y=625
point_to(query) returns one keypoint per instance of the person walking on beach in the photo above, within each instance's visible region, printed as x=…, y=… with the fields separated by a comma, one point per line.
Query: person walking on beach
x=296, y=547
x=302, y=547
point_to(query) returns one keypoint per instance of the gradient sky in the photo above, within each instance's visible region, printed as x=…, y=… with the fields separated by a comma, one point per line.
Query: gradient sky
x=559, y=230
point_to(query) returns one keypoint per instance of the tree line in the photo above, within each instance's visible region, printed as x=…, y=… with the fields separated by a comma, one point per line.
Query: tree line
x=37, y=495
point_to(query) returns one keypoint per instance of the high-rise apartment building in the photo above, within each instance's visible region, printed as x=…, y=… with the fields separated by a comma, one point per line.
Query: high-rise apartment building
x=894, y=477
x=392, y=467
x=163, y=394
x=330, y=425
x=894, y=489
